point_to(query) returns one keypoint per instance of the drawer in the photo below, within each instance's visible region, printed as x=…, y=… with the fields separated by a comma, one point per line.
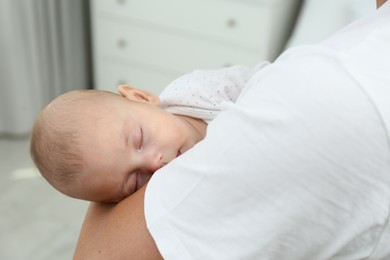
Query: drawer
x=227, y=21
x=169, y=51
x=109, y=74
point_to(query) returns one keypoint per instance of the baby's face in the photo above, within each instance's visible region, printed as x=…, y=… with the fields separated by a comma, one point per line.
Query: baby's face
x=124, y=145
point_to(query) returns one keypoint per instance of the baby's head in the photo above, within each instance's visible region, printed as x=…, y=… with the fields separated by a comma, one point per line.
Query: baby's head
x=101, y=146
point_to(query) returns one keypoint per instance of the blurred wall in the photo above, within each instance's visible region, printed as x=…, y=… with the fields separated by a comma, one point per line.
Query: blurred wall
x=319, y=19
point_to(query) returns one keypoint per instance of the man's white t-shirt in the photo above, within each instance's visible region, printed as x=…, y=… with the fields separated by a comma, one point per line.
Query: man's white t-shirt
x=297, y=168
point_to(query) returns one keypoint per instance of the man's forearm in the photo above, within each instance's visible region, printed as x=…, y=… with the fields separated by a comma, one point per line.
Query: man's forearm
x=116, y=231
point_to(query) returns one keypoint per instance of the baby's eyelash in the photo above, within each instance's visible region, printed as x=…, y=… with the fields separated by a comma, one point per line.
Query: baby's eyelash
x=141, y=139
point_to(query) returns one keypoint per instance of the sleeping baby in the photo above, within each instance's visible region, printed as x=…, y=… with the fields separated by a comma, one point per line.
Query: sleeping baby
x=101, y=146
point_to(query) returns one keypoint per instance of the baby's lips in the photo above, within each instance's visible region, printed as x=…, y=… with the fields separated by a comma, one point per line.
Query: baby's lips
x=142, y=179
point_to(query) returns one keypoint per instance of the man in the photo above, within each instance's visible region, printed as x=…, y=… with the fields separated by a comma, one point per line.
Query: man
x=379, y=3
x=317, y=167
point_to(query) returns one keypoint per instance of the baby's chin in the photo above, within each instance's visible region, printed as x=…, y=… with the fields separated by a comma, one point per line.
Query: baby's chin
x=187, y=146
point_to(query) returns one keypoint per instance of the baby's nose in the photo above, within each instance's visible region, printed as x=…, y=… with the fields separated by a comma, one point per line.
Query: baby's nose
x=154, y=162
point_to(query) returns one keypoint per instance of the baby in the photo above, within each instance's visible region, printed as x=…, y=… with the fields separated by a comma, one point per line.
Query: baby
x=101, y=146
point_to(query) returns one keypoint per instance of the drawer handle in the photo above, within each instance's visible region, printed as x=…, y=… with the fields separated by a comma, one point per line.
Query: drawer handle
x=231, y=23
x=121, y=2
x=122, y=43
x=121, y=82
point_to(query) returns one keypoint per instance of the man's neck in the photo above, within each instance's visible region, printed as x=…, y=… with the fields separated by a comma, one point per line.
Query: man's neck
x=379, y=3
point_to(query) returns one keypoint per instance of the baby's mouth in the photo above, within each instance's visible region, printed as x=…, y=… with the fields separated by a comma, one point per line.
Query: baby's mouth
x=141, y=180
x=178, y=153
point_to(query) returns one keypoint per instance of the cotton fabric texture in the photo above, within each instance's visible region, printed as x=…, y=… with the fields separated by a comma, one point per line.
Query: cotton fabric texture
x=297, y=168
x=202, y=93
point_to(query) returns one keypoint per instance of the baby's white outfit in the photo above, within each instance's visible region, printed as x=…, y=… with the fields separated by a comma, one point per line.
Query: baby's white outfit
x=203, y=93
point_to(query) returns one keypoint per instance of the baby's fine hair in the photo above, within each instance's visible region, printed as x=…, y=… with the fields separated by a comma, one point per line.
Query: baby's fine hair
x=56, y=137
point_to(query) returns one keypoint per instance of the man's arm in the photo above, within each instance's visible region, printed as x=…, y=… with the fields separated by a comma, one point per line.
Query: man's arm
x=117, y=231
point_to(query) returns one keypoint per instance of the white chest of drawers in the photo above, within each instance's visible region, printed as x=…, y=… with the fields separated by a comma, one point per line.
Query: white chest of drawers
x=149, y=43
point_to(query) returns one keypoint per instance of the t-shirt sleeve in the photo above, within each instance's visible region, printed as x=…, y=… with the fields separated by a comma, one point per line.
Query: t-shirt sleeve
x=201, y=94
x=287, y=172
x=297, y=168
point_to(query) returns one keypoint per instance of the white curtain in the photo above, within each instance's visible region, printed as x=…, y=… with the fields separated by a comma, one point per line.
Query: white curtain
x=44, y=51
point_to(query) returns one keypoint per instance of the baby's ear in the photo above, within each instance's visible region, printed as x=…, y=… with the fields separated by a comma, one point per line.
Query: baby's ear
x=138, y=95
